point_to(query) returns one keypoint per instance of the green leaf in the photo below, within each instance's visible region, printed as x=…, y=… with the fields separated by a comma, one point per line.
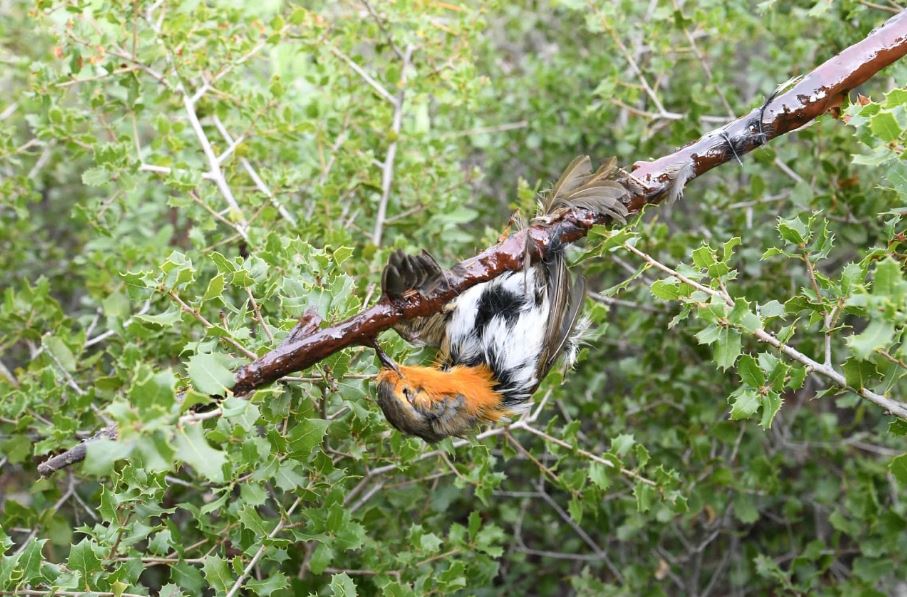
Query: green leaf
x=771, y=309
x=859, y=373
x=727, y=349
x=60, y=352
x=321, y=558
x=430, y=543
x=621, y=444
x=307, y=435
x=704, y=257
x=101, y=455
x=728, y=247
x=771, y=404
x=215, y=287
x=217, y=573
x=745, y=402
x=645, y=496
x=745, y=508
x=889, y=282
x=767, y=568
x=342, y=585
x=884, y=126
x=598, y=474
x=742, y=316
x=83, y=559
x=898, y=427
x=793, y=230
x=163, y=320
x=341, y=254
x=750, y=372
x=575, y=509
x=898, y=468
x=287, y=478
x=872, y=570
x=878, y=334
x=193, y=449
x=95, y=177
x=251, y=520
x=30, y=560
x=209, y=375
x=667, y=290
x=709, y=335
x=275, y=581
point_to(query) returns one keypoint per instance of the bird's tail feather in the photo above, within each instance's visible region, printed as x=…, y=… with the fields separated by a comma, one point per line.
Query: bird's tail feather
x=596, y=191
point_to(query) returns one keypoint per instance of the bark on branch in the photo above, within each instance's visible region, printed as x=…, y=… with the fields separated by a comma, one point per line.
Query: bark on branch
x=822, y=90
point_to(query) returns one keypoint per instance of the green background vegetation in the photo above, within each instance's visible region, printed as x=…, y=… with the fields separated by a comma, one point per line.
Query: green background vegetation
x=128, y=275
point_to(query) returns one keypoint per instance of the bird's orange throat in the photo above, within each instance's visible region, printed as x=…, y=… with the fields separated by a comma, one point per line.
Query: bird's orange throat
x=475, y=384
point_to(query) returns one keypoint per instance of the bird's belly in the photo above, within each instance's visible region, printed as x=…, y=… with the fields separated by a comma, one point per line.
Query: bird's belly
x=501, y=324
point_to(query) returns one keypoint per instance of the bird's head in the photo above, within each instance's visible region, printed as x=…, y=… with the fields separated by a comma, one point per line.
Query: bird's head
x=432, y=403
x=405, y=405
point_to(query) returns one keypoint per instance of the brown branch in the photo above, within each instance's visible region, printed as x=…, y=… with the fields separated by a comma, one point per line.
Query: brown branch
x=822, y=90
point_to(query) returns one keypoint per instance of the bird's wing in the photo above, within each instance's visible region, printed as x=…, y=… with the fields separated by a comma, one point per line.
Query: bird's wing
x=578, y=186
x=404, y=273
x=566, y=301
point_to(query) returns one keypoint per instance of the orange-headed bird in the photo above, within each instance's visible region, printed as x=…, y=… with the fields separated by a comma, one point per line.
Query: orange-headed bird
x=497, y=340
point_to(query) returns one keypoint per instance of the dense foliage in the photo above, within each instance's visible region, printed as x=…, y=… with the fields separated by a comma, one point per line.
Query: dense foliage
x=181, y=180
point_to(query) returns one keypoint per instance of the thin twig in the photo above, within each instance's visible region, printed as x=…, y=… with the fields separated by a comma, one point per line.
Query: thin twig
x=365, y=76
x=387, y=171
x=253, y=174
x=261, y=550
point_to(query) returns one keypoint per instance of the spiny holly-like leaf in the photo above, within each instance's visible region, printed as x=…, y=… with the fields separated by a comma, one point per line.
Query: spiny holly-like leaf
x=308, y=434
x=193, y=449
x=342, y=585
x=598, y=474
x=877, y=335
x=771, y=404
x=744, y=403
x=217, y=573
x=885, y=126
x=209, y=374
x=62, y=354
x=750, y=372
x=83, y=559
x=727, y=347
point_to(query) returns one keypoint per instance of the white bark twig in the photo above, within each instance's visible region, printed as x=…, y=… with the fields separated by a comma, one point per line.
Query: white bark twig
x=253, y=174
x=214, y=168
x=387, y=171
x=365, y=76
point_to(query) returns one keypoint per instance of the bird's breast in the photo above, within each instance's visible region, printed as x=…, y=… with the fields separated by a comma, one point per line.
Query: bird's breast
x=501, y=324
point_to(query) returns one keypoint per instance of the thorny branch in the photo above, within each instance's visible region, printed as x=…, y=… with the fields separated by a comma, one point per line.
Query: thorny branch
x=648, y=182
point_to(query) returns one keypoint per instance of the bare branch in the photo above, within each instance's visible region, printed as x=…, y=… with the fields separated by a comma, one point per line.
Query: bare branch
x=214, y=169
x=365, y=76
x=253, y=174
x=387, y=171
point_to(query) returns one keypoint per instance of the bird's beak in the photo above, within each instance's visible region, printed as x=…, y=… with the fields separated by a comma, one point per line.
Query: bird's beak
x=385, y=360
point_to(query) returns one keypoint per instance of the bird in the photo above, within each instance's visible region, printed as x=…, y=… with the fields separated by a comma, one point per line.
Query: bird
x=497, y=340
